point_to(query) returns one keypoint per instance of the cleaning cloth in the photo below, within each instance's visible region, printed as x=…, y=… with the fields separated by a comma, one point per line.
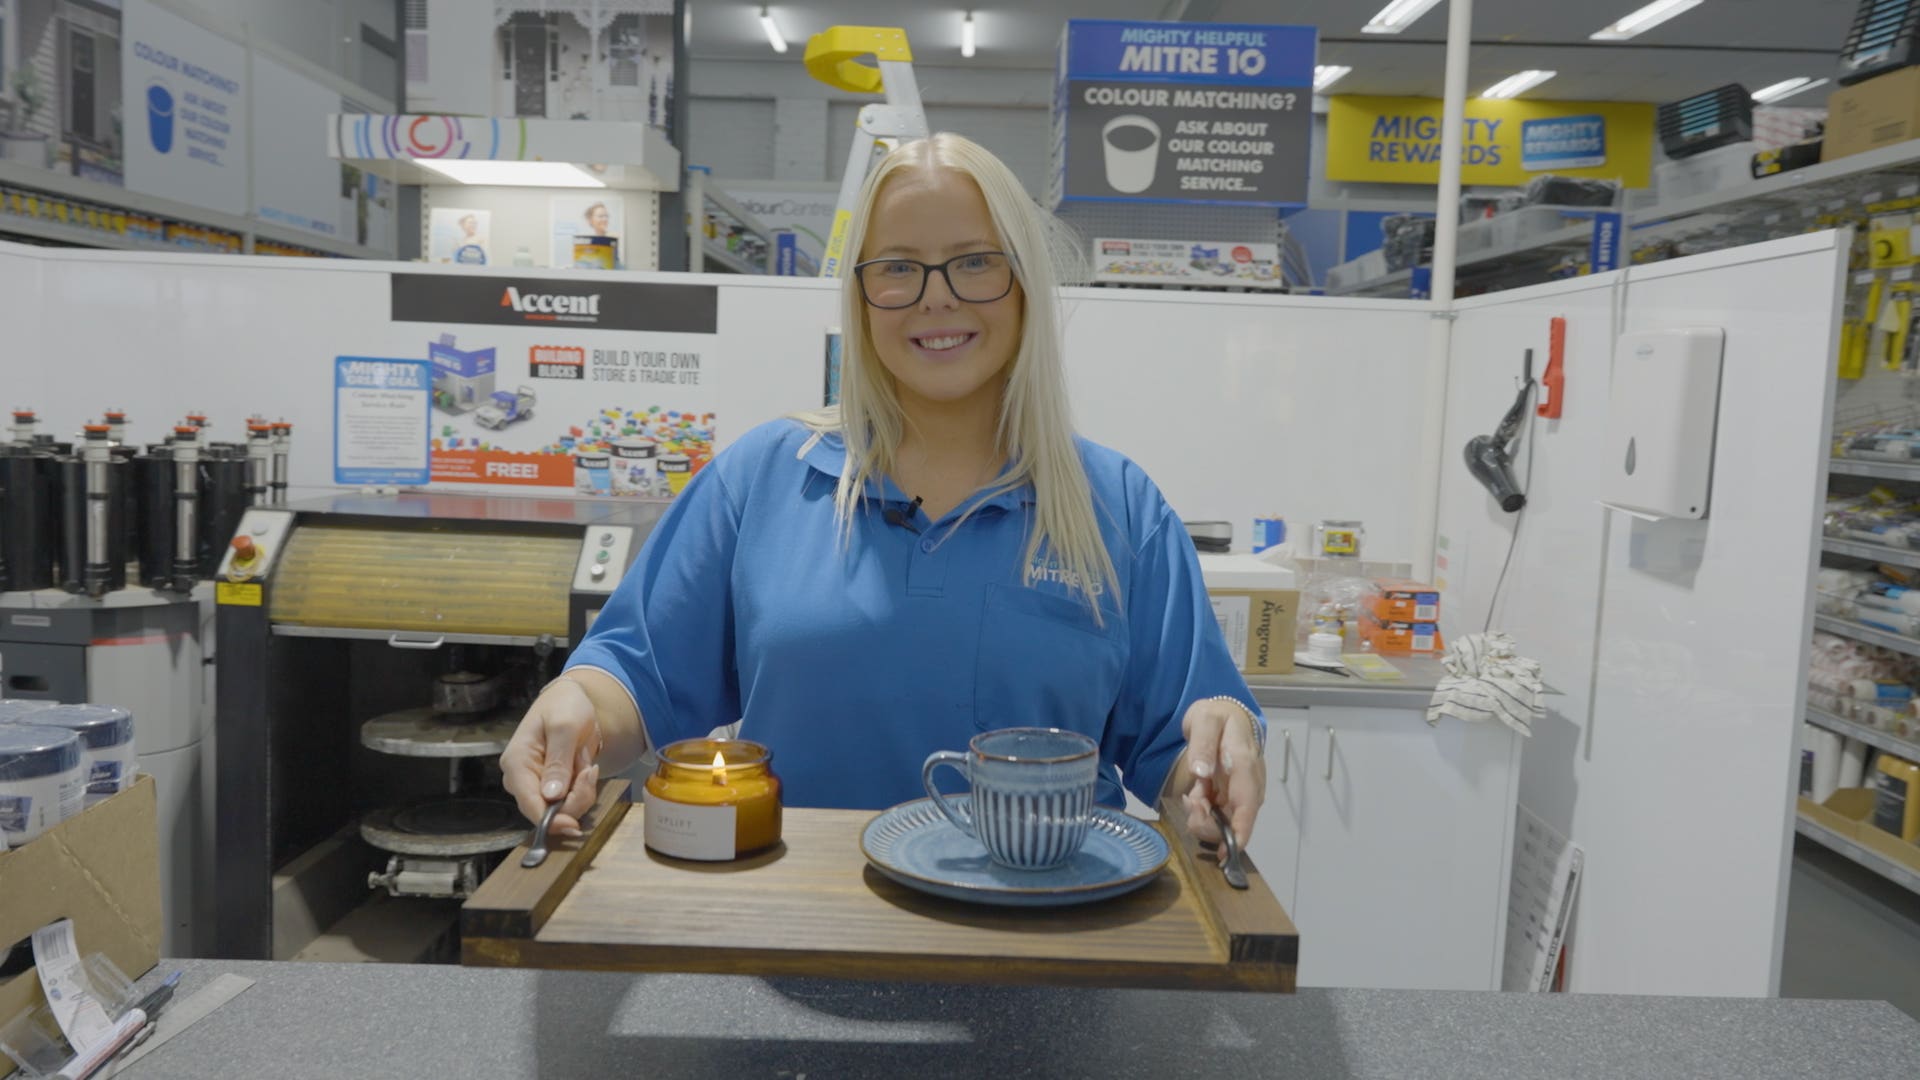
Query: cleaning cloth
x=1487, y=680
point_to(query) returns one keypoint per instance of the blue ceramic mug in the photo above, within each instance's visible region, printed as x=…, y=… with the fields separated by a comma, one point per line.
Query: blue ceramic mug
x=1032, y=799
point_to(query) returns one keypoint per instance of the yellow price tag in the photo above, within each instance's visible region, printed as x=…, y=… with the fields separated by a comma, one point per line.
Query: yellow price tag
x=237, y=593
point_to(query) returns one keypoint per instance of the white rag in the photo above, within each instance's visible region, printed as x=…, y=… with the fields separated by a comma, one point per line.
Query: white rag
x=1487, y=681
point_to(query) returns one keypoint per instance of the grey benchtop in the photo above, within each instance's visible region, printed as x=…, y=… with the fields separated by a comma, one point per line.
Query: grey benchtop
x=365, y=1020
x=1307, y=689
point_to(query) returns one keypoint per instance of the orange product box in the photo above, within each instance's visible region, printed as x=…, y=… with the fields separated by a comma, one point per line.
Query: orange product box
x=1391, y=638
x=1402, y=600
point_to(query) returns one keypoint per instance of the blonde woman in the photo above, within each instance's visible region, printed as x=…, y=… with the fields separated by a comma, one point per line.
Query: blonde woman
x=938, y=556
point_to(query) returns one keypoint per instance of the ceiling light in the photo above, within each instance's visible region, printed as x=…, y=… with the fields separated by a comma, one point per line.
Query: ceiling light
x=513, y=173
x=1397, y=16
x=966, y=36
x=1645, y=19
x=1767, y=95
x=773, y=32
x=1515, y=85
x=1326, y=75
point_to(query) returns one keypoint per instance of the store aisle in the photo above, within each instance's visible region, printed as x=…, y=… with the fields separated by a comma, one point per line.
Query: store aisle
x=1850, y=933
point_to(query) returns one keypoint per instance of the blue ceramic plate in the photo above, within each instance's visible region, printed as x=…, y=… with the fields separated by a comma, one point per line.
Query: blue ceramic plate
x=918, y=847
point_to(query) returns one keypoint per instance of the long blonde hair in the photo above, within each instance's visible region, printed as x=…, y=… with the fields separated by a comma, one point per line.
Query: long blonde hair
x=1036, y=427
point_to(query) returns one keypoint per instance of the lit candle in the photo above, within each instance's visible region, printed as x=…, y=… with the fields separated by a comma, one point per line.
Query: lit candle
x=701, y=805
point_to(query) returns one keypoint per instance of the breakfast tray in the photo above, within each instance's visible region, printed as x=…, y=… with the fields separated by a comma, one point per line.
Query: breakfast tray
x=812, y=906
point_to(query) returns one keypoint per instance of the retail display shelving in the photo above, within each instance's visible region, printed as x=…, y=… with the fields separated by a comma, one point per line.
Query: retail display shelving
x=1875, y=470
x=1757, y=210
x=1874, y=737
x=61, y=186
x=1847, y=628
x=1880, y=553
x=1898, y=873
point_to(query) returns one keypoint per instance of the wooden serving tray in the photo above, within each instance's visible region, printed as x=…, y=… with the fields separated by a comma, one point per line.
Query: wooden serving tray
x=811, y=906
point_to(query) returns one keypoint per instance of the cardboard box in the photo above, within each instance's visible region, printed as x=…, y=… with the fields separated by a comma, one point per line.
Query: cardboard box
x=1879, y=112
x=102, y=870
x=1849, y=812
x=1259, y=625
x=1400, y=638
x=1401, y=600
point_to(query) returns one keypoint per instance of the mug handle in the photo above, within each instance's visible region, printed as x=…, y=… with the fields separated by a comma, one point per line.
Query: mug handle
x=958, y=761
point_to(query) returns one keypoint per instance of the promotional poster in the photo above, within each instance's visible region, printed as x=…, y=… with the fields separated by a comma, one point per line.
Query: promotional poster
x=458, y=235
x=584, y=224
x=550, y=385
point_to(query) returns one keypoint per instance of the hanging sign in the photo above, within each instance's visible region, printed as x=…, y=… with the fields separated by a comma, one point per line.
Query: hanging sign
x=1183, y=112
x=1397, y=141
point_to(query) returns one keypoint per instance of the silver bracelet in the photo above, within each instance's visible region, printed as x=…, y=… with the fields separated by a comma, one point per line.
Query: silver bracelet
x=1259, y=729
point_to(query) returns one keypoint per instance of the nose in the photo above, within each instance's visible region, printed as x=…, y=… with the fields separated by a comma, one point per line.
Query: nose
x=937, y=280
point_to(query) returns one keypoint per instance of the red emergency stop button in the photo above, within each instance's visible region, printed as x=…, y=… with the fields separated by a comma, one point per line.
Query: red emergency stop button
x=244, y=550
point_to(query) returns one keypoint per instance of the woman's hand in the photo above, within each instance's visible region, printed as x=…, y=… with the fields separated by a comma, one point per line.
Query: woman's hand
x=553, y=756
x=1223, y=756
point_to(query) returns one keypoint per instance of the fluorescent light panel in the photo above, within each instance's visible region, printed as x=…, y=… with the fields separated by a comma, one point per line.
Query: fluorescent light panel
x=1515, y=85
x=1397, y=16
x=513, y=173
x=1326, y=75
x=773, y=32
x=966, y=36
x=1645, y=19
x=1767, y=95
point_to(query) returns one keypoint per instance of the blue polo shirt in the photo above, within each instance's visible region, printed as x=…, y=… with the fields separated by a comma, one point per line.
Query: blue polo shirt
x=853, y=658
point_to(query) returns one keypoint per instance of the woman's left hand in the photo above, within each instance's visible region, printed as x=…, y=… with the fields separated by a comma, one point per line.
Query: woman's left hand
x=1223, y=757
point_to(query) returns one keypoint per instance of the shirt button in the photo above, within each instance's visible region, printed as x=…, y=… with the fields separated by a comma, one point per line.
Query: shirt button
x=926, y=546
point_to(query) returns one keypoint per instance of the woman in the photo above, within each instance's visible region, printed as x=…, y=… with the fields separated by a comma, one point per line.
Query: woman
x=937, y=556
x=599, y=220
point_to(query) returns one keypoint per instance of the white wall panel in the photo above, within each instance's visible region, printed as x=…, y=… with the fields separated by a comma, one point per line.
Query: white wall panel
x=1679, y=648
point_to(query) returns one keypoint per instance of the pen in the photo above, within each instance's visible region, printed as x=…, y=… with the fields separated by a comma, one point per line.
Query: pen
x=151, y=1005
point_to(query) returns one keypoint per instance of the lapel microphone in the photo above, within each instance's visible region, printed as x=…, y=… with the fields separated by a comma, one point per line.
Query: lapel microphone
x=904, y=518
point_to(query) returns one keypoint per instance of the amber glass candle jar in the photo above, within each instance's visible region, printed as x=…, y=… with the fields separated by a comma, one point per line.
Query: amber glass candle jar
x=713, y=799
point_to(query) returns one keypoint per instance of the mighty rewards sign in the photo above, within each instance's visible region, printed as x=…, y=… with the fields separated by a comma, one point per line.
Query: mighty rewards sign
x=1388, y=140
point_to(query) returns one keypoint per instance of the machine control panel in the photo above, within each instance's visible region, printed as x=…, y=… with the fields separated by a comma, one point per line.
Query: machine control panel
x=604, y=553
x=256, y=543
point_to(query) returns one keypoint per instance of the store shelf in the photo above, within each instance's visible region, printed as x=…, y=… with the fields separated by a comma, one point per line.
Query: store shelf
x=1880, y=553
x=715, y=253
x=1877, y=470
x=1897, y=873
x=1537, y=256
x=1874, y=737
x=1847, y=628
x=1845, y=178
x=14, y=174
x=77, y=235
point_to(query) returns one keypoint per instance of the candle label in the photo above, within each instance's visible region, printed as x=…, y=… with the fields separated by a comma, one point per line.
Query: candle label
x=690, y=832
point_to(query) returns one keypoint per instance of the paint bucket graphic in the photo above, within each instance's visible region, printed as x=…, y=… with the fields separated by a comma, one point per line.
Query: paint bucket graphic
x=633, y=460
x=160, y=117
x=592, y=474
x=678, y=469
x=1132, y=146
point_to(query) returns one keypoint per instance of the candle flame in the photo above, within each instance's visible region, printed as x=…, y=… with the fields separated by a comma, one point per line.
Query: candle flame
x=719, y=768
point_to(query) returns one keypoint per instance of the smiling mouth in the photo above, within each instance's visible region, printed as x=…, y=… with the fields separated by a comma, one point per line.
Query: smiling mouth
x=944, y=342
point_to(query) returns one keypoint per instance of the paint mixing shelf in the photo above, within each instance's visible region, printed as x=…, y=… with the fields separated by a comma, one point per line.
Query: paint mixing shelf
x=1858, y=853
x=1874, y=737
x=1880, y=553
x=1847, y=628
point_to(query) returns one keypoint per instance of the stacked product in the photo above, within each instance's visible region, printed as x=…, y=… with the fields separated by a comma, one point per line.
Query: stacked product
x=43, y=777
x=1878, y=517
x=1884, y=599
x=1864, y=683
x=1399, y=617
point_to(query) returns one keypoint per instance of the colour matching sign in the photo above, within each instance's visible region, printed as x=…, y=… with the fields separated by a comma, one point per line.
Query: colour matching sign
x=1183, y=112
x=1397, y=141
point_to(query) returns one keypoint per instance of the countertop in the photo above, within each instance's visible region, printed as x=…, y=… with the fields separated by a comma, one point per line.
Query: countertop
x=368, y=1020
x=1306, y=688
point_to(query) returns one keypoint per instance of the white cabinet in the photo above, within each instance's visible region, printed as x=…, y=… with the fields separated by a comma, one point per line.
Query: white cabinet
x=1390, y=843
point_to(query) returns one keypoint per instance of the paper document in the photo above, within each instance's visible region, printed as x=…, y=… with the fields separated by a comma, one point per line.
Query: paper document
x=81, y=1016
x=1546, y=880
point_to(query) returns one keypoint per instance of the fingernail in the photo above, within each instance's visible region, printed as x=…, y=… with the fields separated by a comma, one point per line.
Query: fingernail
x=1203, y=769
x=1226, y=758
x=571, y=832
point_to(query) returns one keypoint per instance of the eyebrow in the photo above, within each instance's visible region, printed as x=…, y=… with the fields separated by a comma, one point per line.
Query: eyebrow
x=952, y=249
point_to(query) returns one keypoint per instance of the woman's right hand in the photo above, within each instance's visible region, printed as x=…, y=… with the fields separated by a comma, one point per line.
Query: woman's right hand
x=554, y=756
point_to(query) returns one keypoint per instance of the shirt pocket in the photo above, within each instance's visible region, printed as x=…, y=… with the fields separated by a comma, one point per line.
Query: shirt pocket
x=1044, y=662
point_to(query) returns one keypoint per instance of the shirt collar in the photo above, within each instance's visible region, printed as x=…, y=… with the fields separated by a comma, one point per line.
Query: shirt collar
x=826, y=453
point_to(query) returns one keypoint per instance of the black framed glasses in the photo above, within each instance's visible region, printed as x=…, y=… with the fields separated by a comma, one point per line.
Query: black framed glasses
x=978, y=277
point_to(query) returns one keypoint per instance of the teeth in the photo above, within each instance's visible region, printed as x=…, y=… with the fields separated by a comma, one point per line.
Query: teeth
x=939, y=343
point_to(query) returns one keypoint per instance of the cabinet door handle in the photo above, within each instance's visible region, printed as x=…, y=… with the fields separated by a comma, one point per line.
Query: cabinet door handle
x=1286, y=754
x=1329, y=754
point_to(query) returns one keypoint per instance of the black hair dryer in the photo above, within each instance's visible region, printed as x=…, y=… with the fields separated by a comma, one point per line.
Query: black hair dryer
x=1490, y=457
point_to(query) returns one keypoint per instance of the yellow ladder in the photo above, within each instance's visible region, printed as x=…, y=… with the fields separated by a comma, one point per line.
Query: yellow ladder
x=835, y=57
